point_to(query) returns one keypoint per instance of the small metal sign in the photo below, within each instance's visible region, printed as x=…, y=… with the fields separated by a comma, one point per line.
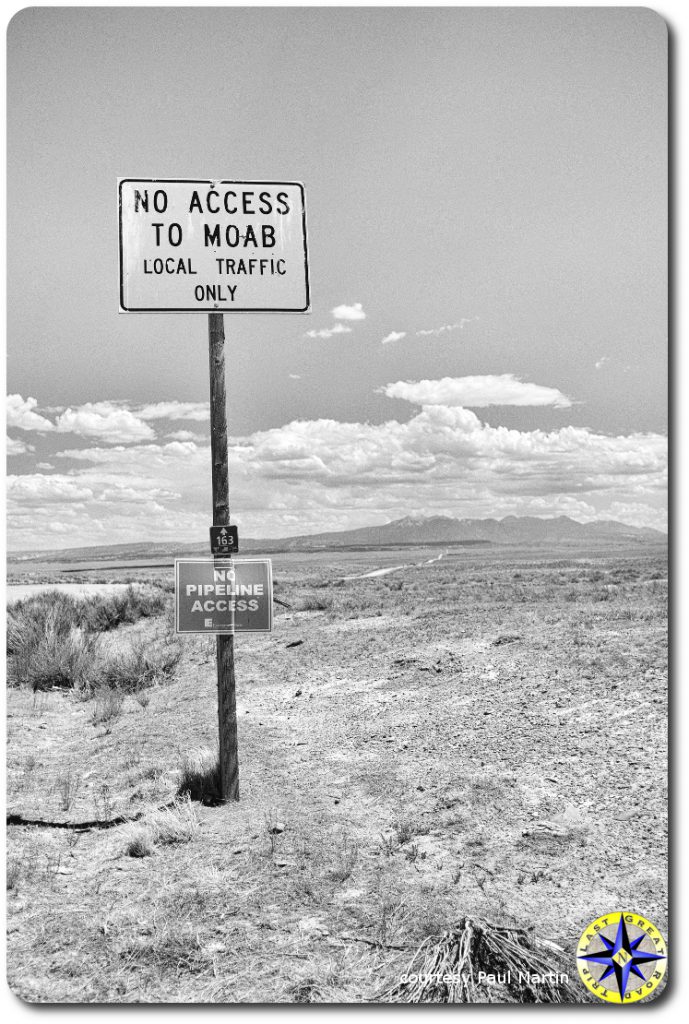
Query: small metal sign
x=212, y=246
x=230, y=596
x=224, y=540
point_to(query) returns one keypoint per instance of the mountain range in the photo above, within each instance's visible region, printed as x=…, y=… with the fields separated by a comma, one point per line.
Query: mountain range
x=413, y=529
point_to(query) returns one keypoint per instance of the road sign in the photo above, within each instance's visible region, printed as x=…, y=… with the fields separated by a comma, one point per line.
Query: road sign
x=224, y=540
x=201, y=245
x=229, y=596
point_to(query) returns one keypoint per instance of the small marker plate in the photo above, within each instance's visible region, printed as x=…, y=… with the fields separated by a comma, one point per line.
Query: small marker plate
x=224, y=540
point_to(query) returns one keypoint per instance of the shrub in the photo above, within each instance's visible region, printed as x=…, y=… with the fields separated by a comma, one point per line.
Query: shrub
x=45, y=653
x=26, y=620
x=50, y=641
x=96, y=615
x=106, y=613
x=140, y=666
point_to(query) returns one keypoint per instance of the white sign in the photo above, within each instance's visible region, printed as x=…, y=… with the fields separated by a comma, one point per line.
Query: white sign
x=206, y=246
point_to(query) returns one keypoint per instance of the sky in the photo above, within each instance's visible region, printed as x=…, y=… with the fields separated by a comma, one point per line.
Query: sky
x=487, y=231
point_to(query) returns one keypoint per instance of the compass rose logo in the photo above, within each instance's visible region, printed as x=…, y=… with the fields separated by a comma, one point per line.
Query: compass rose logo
x=621, y=957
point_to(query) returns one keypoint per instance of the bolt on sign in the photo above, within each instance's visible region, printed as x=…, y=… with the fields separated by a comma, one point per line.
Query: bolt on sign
x=217, y=596
x=207, y=246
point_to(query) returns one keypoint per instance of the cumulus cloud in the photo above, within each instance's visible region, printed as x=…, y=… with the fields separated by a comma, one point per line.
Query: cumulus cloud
x=36, y=489
x=15, y=446
x=108, y=421
x=339, y=313
x=127, y=421
x=184, y=435
x=450, y=443
x=393, y=336
x=114, y=493
x=174, y=411
x=311, y=475
x=327, y=332
x=353, y=312
x=20, y=414
x=163, y=455
x=476, y=392
x=602, y=361
x=295, y=376
x=636, y=513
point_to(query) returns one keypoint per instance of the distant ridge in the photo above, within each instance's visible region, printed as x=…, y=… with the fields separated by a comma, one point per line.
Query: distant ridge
x=409, y=530
x=446, y=530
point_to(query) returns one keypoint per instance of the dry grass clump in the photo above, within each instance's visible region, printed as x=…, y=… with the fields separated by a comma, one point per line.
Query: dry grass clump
x=405, y=829
x=52, y=641
x=27, y=620
x=367, y=601
x=448, y=969
x=107, y=707
x=47, y=649
x=346, y=858
x=13, y=873
x=313, y=603
x=93, y=614
x=200, y=776
x=167, y=826
x=141, y=665
x=66, y=786
x=46, y=656
x=106, y=613
x=139, y=842
x=177, y=824
x=75, y=660
x=23, y=865
x=308, y=990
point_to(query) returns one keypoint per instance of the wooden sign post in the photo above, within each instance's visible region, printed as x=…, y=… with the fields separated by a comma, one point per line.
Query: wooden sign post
x=227, y=700
x=191, y=245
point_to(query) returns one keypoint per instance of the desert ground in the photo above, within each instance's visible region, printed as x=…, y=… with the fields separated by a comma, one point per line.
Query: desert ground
x=481, y=735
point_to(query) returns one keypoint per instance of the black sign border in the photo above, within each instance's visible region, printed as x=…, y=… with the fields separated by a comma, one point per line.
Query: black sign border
x=210, y=309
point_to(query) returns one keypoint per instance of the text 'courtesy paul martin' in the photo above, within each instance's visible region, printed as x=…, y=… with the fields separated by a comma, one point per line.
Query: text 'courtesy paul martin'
x=212, y=246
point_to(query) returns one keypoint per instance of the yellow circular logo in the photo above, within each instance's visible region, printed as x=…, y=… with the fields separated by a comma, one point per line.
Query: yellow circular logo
x=621, y=957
